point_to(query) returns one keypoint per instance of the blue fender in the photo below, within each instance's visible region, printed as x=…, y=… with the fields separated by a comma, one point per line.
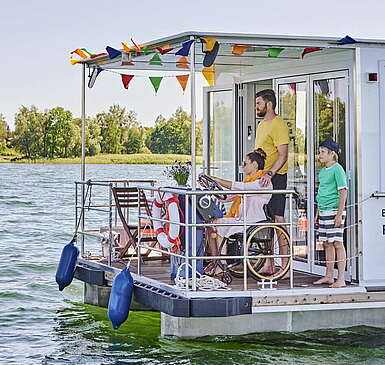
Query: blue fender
x=120, y=298
x=67, y=264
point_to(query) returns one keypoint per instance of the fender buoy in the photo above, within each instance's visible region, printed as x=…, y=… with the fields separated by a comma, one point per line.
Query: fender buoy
x=167, y=237
x=67, y=264
x=120, y=298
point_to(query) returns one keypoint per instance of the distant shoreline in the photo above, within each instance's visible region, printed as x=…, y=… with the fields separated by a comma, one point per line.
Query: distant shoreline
x=134, y=159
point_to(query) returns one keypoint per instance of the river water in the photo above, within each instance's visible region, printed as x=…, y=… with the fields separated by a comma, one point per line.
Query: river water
x=40, y=325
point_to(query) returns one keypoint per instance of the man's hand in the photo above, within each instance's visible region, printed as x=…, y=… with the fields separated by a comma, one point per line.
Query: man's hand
x=265, y=180
x=338, y=220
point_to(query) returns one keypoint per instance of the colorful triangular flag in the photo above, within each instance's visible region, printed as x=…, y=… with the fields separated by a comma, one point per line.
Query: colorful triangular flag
x=155, y=81
x=310, y=50
x=156, y=60
x=98, y=55
x=347, y=40
x=80, y=53
x=209, y=74
x=148, y=50
x=126, y=80
x=128, y=63
x=164, y=49
x=274, y=52
x=185, y=50
x=89, y=53
x=74, y=62
x=239, y=49
x=126, y=48
x=136, y=47
x=183, y=79
x=112, y=52
x=92, y=78
x=210, y=43
x=182, y=63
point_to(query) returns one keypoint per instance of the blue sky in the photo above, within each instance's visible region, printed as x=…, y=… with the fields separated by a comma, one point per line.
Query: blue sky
x=37, y=36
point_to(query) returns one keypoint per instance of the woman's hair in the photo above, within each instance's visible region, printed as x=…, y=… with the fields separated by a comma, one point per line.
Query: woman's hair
x=259, y=156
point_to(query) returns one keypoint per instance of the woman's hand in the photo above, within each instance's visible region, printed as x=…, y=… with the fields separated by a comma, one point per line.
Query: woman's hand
x=265, y=180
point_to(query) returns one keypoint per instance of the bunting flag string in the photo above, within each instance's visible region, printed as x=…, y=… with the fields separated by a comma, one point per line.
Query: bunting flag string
x=346, y=40
x=126, y=48
x=136, y=47
x=92, y=78
x=182, y=79
x=155, y=81
x=185, y=50
x=126, y=80
x=211, y=51
x=80, y=53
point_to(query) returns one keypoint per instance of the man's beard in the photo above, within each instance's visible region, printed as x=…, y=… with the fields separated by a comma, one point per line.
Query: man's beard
x=262, y=113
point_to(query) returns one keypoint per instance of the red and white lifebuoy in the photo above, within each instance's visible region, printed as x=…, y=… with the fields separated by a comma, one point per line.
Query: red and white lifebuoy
x=166, y=237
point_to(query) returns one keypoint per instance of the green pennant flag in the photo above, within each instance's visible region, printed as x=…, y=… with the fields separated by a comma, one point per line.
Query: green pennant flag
x=156, y=60
x=155, y=81
x=274, y=52
x=147, y=50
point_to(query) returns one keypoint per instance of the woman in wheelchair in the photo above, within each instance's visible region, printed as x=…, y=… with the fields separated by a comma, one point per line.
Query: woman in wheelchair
x=261, y=240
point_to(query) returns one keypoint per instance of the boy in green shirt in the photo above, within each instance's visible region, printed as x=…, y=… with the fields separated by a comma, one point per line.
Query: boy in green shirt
x=331, y=199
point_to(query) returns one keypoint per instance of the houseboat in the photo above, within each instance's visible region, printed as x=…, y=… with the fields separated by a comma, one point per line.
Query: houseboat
x=326, y=88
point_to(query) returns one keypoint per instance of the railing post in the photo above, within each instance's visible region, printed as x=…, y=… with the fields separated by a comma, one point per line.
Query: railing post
x=187, y=236
x=291, y=239
x=110, y=246
x=245, y=252
x=139, y=268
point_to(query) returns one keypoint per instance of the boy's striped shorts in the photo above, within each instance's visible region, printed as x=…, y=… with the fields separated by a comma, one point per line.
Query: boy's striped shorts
x=327, y=231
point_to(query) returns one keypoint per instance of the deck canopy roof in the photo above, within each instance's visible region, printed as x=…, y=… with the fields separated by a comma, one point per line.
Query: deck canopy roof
x=291, y=47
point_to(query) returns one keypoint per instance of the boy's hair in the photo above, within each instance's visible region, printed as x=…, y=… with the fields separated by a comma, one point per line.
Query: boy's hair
x=268, y=95
x=259, y=156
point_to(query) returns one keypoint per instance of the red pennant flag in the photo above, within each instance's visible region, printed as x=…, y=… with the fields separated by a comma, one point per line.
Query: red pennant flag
x=183, y=80
x=310, y=50
x=127, y=63
x=126, y=80
x=164, y=49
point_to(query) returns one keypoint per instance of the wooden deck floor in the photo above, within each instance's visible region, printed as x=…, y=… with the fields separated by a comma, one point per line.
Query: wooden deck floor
x=160, y=271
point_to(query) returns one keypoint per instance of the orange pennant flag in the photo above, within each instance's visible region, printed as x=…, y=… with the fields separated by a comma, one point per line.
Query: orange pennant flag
x=239, y=49
x=209, y=74
x=183, y=81
x=165, y=49
x=126, y=80
x=126, y=48
x=79, y=52
x=182, y=62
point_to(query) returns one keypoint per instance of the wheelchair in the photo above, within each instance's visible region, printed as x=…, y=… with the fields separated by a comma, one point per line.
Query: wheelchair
x=261, y=240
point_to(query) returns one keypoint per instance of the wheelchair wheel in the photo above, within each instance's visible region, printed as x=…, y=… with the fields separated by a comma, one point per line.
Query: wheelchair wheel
x=268, y=240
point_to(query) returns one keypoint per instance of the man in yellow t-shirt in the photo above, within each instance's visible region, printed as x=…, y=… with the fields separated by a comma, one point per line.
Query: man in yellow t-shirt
x=273, y=137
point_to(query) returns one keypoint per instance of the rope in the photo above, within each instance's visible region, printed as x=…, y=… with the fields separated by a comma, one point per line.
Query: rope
x=203, y=282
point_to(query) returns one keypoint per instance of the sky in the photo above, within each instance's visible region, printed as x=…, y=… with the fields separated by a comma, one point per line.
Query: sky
x=37, y=37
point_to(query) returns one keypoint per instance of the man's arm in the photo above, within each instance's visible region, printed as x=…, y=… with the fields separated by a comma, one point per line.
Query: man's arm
x=283, y=151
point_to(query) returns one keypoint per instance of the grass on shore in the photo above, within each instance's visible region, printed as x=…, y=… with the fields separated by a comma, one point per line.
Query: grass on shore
x=138, y=158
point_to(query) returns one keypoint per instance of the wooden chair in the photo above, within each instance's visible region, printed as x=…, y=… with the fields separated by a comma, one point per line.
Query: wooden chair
x=126, y=198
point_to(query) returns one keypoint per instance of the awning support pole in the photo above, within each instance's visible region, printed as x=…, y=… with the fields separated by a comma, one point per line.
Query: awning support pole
x=83, y=158
x=193, y=161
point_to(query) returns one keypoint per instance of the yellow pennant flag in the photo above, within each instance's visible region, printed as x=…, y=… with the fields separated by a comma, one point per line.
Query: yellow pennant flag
x=126, y=48
x=183, y=79
x=74, y=62
x=209, y=74
x=210, y=43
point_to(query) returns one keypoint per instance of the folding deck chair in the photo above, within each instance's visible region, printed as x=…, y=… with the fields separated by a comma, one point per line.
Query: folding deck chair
x=126, y=198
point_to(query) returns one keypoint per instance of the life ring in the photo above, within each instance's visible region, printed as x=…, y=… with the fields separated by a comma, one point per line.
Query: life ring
x=166, y=234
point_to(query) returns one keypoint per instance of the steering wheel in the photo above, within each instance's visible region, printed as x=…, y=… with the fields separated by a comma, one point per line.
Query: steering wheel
x=208, y=183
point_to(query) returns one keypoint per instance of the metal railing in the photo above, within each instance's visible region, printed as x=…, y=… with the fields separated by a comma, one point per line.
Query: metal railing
x=83, y=195
x=193, y=257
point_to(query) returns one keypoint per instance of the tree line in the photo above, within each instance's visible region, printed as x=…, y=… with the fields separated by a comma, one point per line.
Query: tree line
x=55, y=133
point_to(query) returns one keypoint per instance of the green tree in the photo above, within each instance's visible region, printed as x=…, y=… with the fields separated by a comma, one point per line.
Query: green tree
x=4, y=134
x=114, y=126
x=174, y=135
x=134, y=140
x=28, y=135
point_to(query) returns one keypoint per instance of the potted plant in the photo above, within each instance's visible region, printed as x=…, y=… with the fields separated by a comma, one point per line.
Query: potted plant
x=180, y=172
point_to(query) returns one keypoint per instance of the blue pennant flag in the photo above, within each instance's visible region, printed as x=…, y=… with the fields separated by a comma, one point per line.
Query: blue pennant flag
x=185, y=50
x=112, y=52
x=347, y=40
